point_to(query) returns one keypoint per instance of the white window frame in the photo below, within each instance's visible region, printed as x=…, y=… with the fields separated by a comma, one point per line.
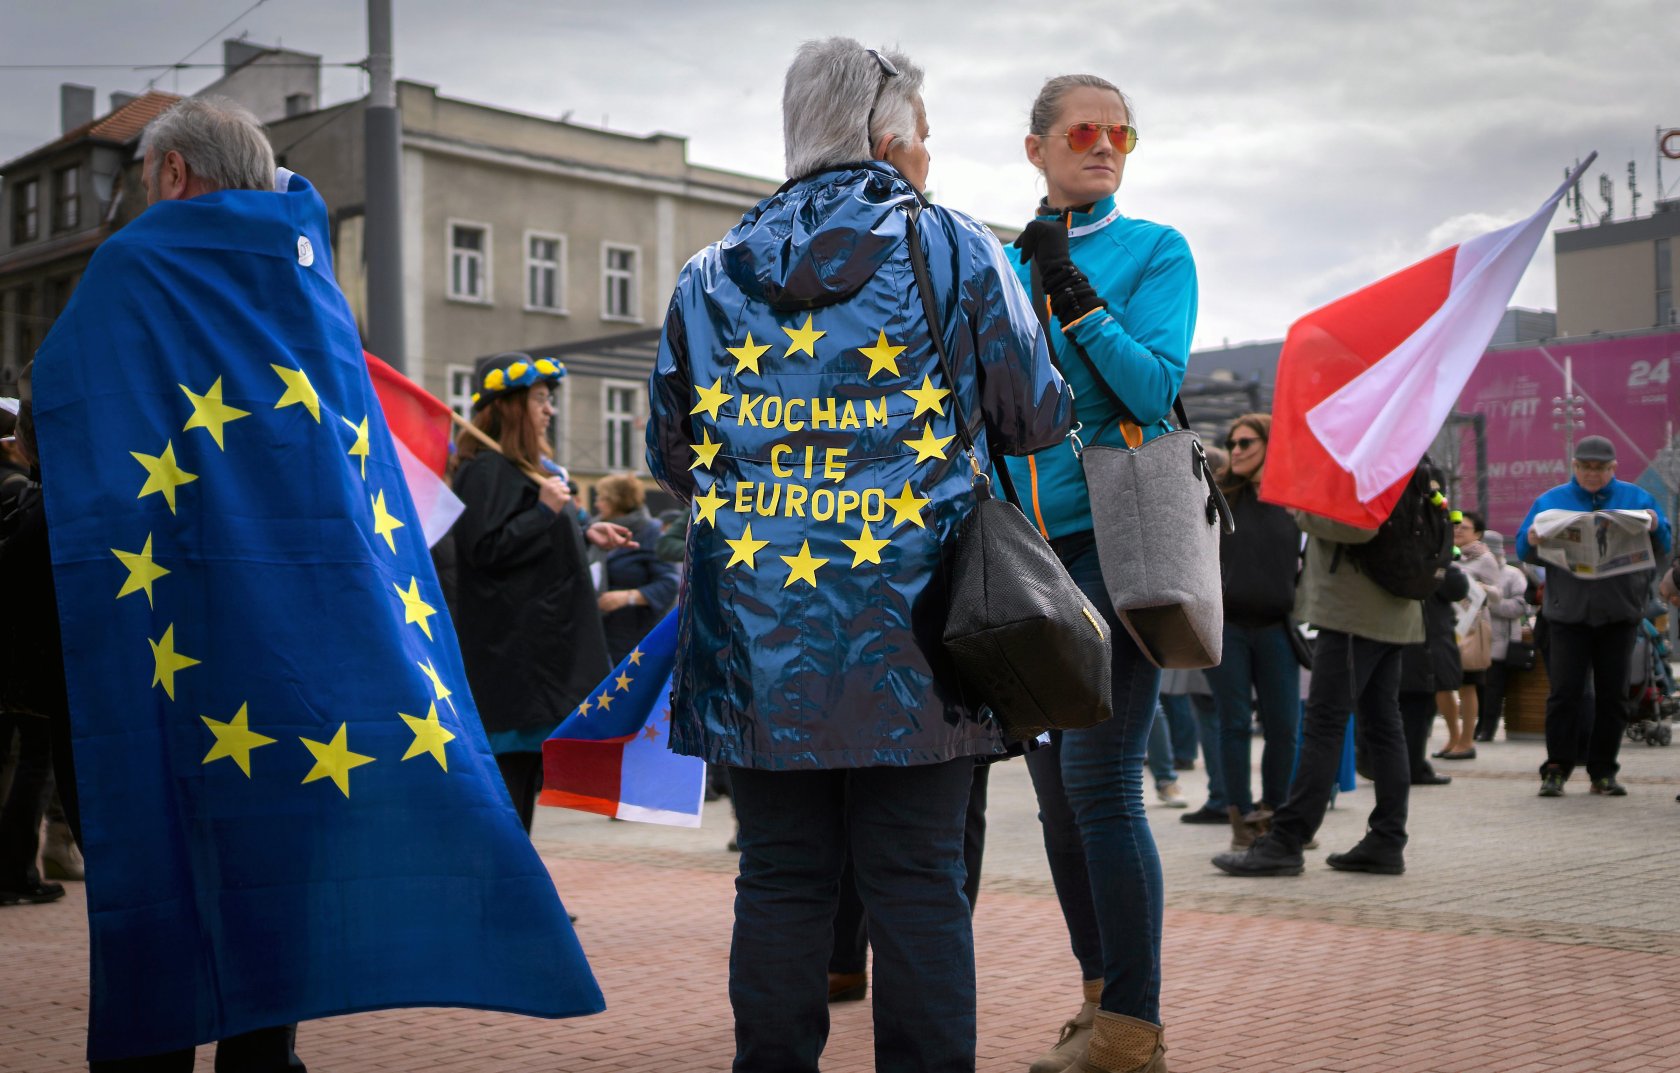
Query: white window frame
x=560, y=427
x=559, y=308
x=610, y=419
x=486, y=260
x=460, y=397
x=608, y=274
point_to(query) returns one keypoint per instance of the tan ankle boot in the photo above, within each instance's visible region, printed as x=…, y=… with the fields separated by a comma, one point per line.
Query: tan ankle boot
x=1076, y=1033
x=1242, y=833
x=1122, y=1044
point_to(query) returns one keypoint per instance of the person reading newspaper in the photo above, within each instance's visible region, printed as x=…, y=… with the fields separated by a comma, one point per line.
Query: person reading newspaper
x=1599, y=539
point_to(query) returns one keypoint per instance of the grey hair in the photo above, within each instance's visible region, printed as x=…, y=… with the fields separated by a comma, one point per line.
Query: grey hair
x=220, y=140
x=831, y=86
x=1048, y=105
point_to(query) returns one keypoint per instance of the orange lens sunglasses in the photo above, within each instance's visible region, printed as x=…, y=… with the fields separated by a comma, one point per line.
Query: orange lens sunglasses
x=1082, y=136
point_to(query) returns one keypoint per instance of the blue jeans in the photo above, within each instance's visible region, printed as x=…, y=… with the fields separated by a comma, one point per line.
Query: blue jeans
x=1257, y=662
x=1184, y=733
x=1206, y=715
x=1101, y=772
x=1158, y=750
x=903, y=827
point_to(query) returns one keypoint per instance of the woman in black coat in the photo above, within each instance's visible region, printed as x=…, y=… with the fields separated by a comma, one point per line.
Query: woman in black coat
x=1429, y=668
x=531, y=636
x=638, y=585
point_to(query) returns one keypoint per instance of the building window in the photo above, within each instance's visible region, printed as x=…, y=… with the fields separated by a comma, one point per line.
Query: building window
x=1665, y=283
x=545, y=279
x=26, y=212
x=619, y=300
x=67, y=198
x=461, y=384
x=469, y=262
x=622, y=406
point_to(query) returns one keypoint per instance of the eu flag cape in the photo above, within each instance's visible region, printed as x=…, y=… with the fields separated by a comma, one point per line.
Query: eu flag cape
x=613, y=755
x=289, y=807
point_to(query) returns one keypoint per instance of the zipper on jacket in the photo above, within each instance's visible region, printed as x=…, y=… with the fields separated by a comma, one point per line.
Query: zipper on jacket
x=1038, y=515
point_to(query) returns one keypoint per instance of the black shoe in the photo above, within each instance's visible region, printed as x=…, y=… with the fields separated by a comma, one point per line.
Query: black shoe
x=1430, y=778
x=1264, y=858
x=1483, y=737
x=1551, y=784
x=1462, y=754
x=1206, y=815
x=1609, y=787
x=1184, y=765
x=1362, y=858
x=39, y=894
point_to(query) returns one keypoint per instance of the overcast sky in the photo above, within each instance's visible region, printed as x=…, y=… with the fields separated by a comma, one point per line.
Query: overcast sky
x=1304, y=148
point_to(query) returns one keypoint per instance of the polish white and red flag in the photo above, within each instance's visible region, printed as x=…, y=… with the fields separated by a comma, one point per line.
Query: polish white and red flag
x=1365, y=383
x=420, y=427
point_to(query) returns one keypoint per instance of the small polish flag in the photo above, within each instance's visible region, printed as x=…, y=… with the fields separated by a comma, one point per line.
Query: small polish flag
x=420, y=425
x=1366, y=382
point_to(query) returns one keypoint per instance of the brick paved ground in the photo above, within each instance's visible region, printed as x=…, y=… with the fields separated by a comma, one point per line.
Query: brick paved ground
x=1529, y=935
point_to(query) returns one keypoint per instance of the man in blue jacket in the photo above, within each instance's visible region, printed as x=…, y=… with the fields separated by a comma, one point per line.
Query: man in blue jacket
x=1593, y=622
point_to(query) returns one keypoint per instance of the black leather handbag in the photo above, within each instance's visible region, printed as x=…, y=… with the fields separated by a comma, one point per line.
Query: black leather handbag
x=1023, y=636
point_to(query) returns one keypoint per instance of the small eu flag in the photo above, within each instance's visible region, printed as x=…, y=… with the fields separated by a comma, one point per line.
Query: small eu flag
x=289, y=806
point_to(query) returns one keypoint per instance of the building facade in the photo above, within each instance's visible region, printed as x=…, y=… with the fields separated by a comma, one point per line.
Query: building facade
x=1619, y=275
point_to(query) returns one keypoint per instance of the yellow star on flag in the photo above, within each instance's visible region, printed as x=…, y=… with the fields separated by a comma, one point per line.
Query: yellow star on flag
x=437, y=683
x=299, y=391
x=623, y=682
x=708, y=505
x=705, y=451
x=907, y=507
x=802, y=567
x=415, y=609
x=141, y=570
x=210, y=412
x=881, y=356
x=163, y=474
x=929, y=446
x=802, y=339
x=603, y=702
x=166, y=661
x=234, y=740
x=711, y=398
x=334, y=760
x=867, y=547
x=747, y=354
x=430, y=736
x=746, y=549
x=636, y=658
x=384, y=522
x=360, y=447
x=583, y=709
x=927, y=397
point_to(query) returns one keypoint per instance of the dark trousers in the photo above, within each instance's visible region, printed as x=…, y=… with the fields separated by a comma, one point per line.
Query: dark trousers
x=1493, y=700
x=1259, y=662
x=1581, y=658
x=26, y=801
x=1417, y=716
x=1359, y=675
x=522, y=772
x=851, y=929
x=267, y=1050
x=903, y=828
x=1066, y=855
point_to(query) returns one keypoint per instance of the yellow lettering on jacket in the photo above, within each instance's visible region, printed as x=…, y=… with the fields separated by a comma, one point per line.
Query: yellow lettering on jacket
x=796, y=496
x=746, y=415
x=777, y=452
x=834, y=464
x=772, y=416
x=822, y=504
x=875, y=411
x=822, y=413
x=849, y=417
x=787, y=418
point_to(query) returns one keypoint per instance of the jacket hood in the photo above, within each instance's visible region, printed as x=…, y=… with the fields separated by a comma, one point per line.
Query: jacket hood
x=818, y=240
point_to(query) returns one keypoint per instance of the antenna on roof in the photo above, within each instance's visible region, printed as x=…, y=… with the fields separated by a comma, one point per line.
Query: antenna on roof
x=1633, y=193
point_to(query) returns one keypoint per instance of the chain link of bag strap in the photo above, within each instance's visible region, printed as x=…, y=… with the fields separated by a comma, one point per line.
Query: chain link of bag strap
x=1217, y=509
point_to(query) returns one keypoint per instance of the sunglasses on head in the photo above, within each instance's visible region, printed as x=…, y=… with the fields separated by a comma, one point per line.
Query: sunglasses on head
x=1242, y=443
x=1082, y=136
x=888, y=71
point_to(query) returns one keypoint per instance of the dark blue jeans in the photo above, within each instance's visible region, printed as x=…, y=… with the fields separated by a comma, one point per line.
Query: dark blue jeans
x=1207, y=732
x=1101, y=781
x=904, y=830
x=1257, y=662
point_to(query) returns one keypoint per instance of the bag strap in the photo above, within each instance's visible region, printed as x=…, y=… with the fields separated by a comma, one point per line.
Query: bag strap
x=930, y=310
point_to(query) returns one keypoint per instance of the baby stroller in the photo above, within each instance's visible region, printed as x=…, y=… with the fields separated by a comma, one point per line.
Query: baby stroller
x=1653, y=699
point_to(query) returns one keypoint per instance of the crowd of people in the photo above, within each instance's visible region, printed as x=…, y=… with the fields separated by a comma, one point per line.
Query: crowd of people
x=812, y=667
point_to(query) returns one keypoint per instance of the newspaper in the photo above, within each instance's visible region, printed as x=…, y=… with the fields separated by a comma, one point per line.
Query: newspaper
x=1595, y=544
x=1468, y=610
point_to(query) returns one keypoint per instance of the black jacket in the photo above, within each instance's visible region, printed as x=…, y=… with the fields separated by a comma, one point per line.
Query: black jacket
x=31, y=652
x=1258, y=563
x=530, y=631
x=642, y=569
x=1435, y=664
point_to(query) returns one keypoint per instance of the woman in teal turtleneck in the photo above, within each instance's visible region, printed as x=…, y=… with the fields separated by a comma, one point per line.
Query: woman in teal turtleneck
x=1124, y=291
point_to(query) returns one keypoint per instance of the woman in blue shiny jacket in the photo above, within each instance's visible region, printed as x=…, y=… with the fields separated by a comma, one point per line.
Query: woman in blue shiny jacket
x=798, y=404
x=1123, y=292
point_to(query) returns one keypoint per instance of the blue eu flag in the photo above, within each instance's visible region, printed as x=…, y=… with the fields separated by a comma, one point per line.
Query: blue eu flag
x=289, y=806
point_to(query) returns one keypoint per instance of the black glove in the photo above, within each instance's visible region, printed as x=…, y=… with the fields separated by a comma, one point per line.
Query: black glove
x=1071, y=294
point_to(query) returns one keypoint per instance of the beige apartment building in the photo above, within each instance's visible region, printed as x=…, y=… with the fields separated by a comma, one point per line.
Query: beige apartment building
x=1619, y=275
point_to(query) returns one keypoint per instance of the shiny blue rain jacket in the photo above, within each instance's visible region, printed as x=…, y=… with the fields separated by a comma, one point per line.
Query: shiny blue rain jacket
x=798, y=403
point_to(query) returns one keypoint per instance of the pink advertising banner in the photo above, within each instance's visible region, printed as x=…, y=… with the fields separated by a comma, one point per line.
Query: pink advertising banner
x=1627, y=395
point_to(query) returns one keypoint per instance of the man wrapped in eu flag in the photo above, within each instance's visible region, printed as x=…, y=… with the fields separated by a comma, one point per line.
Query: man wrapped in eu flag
x=288, y=806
